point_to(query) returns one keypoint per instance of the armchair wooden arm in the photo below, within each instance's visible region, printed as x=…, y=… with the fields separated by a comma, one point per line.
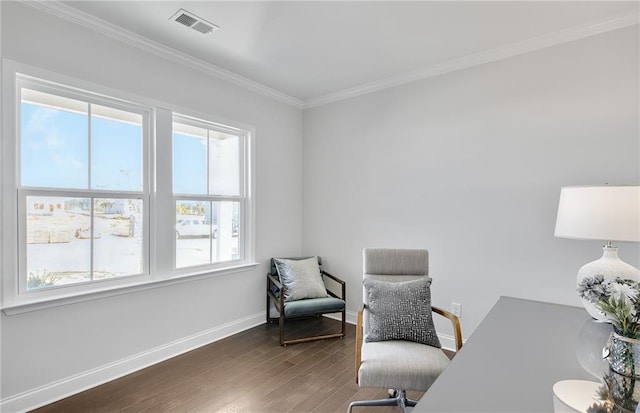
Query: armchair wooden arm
x=274, y=281
x=457, y=331
x=277, y=300
x=342, y=283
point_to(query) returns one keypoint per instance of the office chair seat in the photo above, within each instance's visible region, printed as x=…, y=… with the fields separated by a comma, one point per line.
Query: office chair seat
x=400, y=365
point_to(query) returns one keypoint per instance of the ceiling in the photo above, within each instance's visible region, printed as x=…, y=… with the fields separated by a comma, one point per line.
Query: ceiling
x=310, y=50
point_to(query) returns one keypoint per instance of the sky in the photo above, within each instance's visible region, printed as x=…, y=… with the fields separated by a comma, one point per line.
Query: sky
x=55, y=154
x=54, y=151
x=189, y=164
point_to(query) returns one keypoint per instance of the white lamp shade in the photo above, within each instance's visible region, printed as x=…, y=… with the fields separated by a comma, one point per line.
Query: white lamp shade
x=608, y=213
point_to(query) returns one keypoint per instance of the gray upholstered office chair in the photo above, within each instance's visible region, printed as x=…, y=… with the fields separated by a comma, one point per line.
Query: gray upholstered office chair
x=396, y=344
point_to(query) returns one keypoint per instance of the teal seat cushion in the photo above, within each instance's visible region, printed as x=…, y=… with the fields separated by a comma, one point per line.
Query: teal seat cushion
x=313, y=306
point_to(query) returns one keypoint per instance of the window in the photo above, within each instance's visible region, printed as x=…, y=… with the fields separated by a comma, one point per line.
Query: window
x=209, y=192
x=82, y=197
x=89, y=206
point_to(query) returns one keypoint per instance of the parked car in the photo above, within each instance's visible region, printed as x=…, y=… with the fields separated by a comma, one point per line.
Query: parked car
x=195, y=228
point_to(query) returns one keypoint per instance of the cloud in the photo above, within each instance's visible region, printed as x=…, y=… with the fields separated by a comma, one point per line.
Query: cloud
x=42, y=129
x=45, y=131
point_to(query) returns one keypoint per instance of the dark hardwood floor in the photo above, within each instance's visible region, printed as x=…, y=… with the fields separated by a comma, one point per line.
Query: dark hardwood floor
x=247, y=372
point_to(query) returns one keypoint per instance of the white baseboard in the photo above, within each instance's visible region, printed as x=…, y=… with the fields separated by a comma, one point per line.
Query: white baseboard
x=68, y=386
x=448, y=342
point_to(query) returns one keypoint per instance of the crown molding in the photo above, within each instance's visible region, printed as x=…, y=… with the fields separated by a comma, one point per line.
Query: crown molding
x=54, y=7
x=71, y=14
x=499, y=53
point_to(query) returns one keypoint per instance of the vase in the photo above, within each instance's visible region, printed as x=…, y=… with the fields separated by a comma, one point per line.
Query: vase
x=593, y=336
x=622, y=391
x=610, y=266
x=623, y=354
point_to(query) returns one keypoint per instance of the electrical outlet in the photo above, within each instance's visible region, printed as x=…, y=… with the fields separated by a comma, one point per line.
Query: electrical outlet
x=456, y=308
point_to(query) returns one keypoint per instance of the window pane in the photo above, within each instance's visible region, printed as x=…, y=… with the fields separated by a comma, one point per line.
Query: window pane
x=190, y=161
x=116, y=149
x=224, y=164
x=193, y=233
x=81, y=189
x=118, y=246
x=226, y=221
x=53, y=141
x=58, y=241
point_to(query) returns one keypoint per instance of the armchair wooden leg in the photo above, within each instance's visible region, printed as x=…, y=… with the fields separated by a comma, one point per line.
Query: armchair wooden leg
x=341, y=334
x=281, y=322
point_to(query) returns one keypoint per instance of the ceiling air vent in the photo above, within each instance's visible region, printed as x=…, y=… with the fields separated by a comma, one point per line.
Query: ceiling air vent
x=194, y=22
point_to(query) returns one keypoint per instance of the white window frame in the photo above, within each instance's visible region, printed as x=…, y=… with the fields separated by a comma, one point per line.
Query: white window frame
x=31, y=83
x=242, y=198
x=159, y=203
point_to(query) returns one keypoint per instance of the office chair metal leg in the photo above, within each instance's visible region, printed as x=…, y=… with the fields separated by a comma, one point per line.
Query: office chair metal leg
x=379, y=402
x=399, y=399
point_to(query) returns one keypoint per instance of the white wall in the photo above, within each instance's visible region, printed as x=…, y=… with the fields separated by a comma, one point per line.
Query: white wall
x=48, y=351
x=470, y=165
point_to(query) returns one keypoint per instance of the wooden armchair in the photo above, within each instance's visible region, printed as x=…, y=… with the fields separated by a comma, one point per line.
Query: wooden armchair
x=279, y=300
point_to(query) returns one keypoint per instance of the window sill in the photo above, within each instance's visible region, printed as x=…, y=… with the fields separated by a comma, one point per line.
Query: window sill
x=34, y=305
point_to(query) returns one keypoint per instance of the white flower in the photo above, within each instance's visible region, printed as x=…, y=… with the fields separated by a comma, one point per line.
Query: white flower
x=625, y=291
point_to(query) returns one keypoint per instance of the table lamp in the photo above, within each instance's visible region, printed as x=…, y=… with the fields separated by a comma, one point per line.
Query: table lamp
x=607, y=213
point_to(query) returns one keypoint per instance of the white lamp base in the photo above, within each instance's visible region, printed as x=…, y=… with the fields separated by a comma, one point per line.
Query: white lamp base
x=610, y=266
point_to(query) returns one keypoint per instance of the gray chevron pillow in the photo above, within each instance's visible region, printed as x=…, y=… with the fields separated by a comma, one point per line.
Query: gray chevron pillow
x=401, y=311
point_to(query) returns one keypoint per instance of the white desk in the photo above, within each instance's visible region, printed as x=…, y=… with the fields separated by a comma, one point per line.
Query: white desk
x=512, y=360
